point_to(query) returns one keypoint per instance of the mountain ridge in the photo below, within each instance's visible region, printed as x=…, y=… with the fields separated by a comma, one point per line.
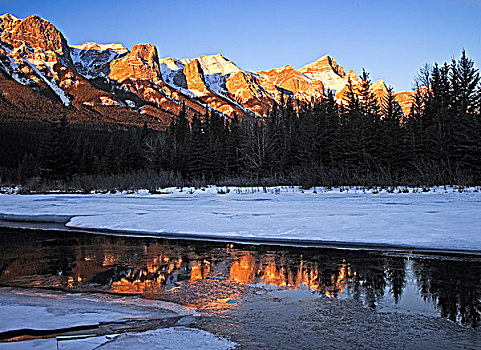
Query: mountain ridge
x=110, y=83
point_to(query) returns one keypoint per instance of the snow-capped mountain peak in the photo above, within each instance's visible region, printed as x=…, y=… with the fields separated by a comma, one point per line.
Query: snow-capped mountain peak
x=92, y=59
x=118, y=48
x=325, y=64
x=326, y=70
x=215, y=64
x=8, y=17
x=173, y=63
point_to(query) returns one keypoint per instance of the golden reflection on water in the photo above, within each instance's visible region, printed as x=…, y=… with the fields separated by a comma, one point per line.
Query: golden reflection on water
x=155, y=270
x=206, y=280
x=241, y=268
x=216, y=277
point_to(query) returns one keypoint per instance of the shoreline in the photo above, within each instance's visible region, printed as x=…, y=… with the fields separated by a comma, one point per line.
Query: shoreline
x=373, y=247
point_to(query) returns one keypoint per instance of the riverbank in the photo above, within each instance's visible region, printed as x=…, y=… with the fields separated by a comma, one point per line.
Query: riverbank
x=441, y=219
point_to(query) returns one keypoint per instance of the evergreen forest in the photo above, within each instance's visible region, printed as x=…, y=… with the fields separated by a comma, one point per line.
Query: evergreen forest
x=360, y=141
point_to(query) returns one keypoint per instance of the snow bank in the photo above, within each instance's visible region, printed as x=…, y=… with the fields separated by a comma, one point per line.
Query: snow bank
x=435, y=220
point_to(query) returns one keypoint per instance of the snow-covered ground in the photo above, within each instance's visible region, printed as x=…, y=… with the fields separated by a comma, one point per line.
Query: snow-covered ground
x=439, y=219
x=48, y=310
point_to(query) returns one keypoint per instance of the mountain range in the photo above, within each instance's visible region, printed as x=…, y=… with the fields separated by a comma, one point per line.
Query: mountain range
x=43, y=77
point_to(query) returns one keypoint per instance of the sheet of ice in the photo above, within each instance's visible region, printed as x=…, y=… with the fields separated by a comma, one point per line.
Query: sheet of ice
x=37, y=309
x=175, y=338
x=169, y=339
x=427, y=220
x=43, y=309
x=51, y=344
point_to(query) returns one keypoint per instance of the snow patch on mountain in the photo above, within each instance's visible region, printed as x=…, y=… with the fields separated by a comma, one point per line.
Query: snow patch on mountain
x=216, y=83
x=169, y=68
x=92, y=59
x=52, y=84
x=214, y=64
x=130, y=103
x=13, y=71
x=118, y=48
x=326, y=70
x=8, y=17
x=36, y=62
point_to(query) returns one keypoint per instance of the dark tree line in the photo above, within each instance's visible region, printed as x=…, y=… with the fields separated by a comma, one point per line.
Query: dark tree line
x=363, y=140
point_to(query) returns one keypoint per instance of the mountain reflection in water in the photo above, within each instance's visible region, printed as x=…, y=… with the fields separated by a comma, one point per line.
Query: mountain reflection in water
x=216, y=276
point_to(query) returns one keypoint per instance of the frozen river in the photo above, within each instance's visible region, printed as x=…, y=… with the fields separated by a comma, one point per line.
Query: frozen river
x=257, y=296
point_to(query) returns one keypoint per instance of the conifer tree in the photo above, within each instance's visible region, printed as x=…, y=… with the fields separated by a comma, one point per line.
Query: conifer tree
x=392, y=147
x=27, y=168
x=370, y=121
x=465, y=80
x=177, y=137
x=88, y=162
x=274, y=140
x=196, y=153
x=352, y=129
x=233, y=143
x=57, y=154
x=111, y=159
x=331, y=149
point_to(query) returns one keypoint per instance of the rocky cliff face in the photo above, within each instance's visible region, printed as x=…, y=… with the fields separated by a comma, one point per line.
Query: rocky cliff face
x=34, y=32
x=300, y=85
x=141, y=63
x=107, y=83
x=32, y=52
x=195, y=78
x=405, y=100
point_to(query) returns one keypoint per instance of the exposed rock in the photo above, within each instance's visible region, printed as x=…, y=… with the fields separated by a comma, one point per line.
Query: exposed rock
x=195, y=79
x=36, y=33
x=248, y=92
x=117, y=48
x=405, y=100
x=141, y=63
x=324, y=64
x=302, y=87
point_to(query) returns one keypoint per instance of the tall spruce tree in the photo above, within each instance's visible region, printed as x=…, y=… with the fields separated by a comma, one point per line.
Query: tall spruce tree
x=392, y=147
x=197, y=148
x=57, y=154
x=352, y=130
x=370, y=122
x=110, y=163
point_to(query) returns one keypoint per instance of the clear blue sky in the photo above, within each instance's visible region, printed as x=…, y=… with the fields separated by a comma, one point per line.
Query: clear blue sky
x=391, y=39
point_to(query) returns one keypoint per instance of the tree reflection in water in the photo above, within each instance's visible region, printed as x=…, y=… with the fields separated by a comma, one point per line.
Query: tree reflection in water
x=216, y=275
x=455, y=287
